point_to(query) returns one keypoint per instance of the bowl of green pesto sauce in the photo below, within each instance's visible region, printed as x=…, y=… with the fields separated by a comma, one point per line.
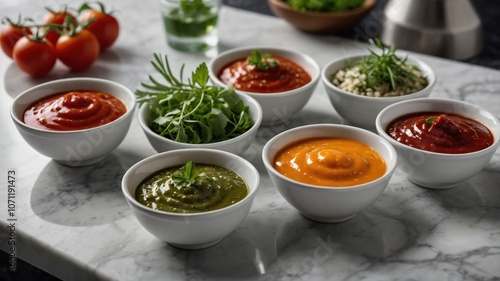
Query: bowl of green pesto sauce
x=191, y=198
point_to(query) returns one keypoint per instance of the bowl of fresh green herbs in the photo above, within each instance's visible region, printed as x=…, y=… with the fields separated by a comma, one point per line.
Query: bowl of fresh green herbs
x=178, y=114
x=328, y=16
x=360, y=86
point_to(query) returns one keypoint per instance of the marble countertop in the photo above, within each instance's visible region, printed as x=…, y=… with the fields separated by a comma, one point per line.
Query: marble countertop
x=75, y=224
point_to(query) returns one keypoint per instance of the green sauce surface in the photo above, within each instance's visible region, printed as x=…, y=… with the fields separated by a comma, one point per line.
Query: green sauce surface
x=220, y=189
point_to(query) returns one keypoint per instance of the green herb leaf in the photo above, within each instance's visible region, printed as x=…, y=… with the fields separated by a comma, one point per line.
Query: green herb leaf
x=430, y=120
x=187, y=176
x=192, y=112
x=387, y=67
x=200, y=76
x=262, y=62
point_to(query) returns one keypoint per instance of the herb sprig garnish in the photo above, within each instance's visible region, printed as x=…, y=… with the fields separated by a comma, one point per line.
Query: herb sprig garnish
x=430, y=120
x=192, y=112
x=388, y=67
x=261, y=61
x=187, y=176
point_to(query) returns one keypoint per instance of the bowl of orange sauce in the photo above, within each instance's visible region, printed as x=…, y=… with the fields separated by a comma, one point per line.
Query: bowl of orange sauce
x=329, y=172
x=440, y=142
x=75, y=121
x=282, y=85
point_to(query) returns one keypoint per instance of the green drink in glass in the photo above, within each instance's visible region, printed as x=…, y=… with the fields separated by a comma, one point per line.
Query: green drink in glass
x=191, y=25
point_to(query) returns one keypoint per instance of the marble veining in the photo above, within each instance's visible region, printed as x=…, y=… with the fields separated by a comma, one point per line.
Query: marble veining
x=75, y=224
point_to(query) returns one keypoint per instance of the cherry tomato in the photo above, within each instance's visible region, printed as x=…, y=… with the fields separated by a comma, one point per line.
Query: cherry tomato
x=104, y=26
x=9, y=36
x=78, y=51
x=37, y=58
x=56, y=18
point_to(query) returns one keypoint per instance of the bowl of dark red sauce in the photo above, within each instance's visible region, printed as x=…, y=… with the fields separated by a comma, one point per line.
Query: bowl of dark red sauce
x=281, y=80
x=440, y=142
x=75, y=121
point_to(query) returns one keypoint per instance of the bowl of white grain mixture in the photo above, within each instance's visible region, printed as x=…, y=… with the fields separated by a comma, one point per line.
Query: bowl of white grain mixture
x=360, y=86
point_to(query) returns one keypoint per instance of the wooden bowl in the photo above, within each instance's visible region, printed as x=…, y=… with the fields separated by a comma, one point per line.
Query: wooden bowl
x=320, y=22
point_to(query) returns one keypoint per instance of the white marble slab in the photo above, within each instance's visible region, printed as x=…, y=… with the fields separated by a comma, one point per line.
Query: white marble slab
x=75, y=224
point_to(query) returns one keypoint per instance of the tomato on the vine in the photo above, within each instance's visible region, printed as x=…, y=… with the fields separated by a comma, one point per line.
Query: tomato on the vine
x=103, y=25
x=78, y=51
x=9, y=35
x=57, y=18
x=34, y=56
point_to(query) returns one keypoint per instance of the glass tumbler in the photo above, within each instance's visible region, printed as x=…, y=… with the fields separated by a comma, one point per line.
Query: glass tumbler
x=191, y=25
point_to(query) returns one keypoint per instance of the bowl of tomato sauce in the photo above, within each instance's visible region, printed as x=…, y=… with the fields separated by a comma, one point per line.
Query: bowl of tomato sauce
x=281, y=80
x=329, y=172
x=440, y=142
x=74, y=121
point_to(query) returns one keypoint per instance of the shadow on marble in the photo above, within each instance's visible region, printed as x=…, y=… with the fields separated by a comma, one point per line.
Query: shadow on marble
x=82, y=196
x=461, y=197
x=234, y=258
x=479, y=195
x=467, y=204
x=304, y=117
x=487, y=182
x=307, y=116
x=243, y=255
x=303, y=246
x=485, y=93
x=421, y=216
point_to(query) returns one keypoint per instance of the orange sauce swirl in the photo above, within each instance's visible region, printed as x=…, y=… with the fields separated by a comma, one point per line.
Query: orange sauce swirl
x=330, y=162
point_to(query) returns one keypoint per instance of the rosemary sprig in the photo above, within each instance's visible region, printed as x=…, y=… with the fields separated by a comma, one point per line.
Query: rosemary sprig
x=387, y=67
x=192, y=112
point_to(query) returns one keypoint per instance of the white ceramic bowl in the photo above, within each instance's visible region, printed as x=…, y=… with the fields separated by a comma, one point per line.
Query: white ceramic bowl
x=78, y=147
x=198, y=230
x=361, y=111
x=439, y=170
x=237, y=145
x=277, y=108
x=329, y=204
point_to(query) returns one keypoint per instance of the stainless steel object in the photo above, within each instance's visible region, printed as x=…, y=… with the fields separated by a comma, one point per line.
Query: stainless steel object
x=445, y=28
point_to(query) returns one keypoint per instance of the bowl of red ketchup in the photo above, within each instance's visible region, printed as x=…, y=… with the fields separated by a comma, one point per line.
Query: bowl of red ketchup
x=281, y=80
x=440, y=142
x=74, y=121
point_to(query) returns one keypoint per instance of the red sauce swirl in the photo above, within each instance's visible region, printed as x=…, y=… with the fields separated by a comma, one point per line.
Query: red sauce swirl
x=443, y=133
x=286, y=76
x=74, y=110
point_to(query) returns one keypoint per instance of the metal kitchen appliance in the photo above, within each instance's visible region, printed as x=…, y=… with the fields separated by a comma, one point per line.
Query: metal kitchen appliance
x=445, y=28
